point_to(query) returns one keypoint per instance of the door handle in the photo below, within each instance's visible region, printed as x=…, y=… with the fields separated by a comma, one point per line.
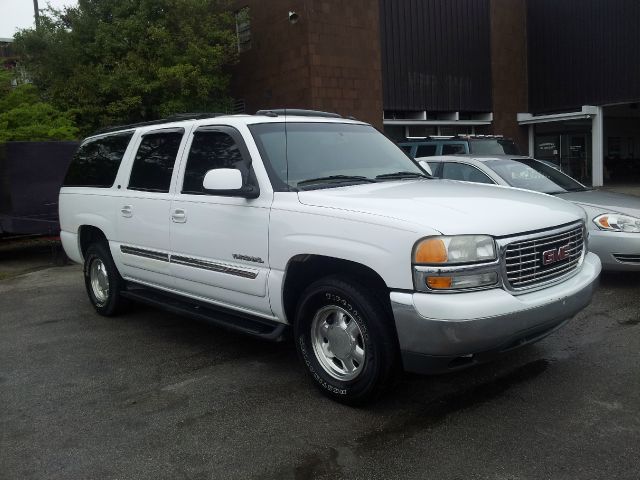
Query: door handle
x=179, y=216
x=126, y=211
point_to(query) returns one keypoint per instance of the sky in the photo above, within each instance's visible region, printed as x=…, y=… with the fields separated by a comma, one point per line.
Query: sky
x=17, y=14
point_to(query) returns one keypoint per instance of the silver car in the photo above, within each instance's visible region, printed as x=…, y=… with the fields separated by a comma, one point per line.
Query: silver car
x=614, y=227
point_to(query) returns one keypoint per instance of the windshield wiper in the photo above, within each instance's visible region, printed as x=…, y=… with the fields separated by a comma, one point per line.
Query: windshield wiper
x=396, y=175
x=336, y=178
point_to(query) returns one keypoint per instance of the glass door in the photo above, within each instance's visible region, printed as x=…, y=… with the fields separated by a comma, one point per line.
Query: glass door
x=575, y=157
x=567, y=145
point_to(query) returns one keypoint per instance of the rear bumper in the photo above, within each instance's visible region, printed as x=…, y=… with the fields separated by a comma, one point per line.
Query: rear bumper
x=439, y=333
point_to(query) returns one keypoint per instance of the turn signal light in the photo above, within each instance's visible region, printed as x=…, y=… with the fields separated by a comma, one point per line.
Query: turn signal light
x=432, y=250
x=439, y=283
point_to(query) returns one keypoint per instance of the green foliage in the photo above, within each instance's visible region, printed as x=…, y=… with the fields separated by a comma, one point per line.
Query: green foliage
x=24, y=116
x=122, y=61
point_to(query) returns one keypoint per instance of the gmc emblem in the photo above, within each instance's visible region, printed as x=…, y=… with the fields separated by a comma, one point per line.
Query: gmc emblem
x=555, y=255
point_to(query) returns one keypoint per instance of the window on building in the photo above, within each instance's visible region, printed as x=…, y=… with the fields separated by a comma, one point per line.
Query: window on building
x=243, y=29
x=238, y=106
x=211, y=150
x=153, y=165
x=420, y=131
x=96, y=162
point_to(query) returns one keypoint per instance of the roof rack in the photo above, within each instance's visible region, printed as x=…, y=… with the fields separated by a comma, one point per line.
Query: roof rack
x=481, y=137
x=178, y=117
x=459, y=136
x=298, y=112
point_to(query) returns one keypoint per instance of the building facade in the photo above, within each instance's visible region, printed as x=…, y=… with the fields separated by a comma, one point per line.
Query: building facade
x=560, y=77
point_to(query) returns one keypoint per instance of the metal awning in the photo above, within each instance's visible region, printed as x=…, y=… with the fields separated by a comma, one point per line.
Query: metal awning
x=587, y=111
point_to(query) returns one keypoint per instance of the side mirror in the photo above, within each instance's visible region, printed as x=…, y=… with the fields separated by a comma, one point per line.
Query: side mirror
x=228, y=182
x=425, y=166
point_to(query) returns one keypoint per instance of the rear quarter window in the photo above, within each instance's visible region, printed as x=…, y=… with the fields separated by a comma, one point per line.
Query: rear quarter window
x=453, y=149
x=96, y=162
x=426, y=151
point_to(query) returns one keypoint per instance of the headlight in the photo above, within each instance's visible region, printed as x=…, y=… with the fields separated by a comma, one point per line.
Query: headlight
x=616, y=222
x=454, y=250
x=450, y=263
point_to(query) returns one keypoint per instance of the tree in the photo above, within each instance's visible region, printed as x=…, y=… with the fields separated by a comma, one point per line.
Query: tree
x=122, y=61
x=24, y=116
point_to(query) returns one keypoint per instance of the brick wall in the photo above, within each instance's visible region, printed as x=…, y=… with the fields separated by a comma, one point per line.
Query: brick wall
x=344, y=44
x=329, y=60
x=275, y=71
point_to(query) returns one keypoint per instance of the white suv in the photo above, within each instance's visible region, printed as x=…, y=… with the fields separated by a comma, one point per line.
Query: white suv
x=304, y=221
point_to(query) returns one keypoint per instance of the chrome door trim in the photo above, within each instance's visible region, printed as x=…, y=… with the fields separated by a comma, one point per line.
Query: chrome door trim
x=143, y=252
x=190, y=262
x=213, y=266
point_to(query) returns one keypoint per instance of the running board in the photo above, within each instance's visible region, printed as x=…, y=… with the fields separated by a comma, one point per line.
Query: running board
x=197, y=310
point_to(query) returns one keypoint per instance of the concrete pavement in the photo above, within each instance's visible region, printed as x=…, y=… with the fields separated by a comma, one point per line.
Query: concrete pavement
x=150, y=395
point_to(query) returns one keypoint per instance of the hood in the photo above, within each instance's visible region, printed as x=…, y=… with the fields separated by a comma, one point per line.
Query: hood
x=450, y=207
x=603, y=201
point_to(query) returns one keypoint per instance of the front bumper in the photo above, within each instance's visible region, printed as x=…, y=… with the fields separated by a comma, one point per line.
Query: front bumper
x=618, y=251
x=443, y=332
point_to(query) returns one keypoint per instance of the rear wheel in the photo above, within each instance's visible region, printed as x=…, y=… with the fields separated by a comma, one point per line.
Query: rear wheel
x=102, y=281
x=345, y=339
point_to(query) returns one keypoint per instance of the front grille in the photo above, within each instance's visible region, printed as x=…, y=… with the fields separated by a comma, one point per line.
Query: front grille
x=536, y=261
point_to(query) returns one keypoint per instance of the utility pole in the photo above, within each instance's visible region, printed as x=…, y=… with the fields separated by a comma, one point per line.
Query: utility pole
x=36, y=13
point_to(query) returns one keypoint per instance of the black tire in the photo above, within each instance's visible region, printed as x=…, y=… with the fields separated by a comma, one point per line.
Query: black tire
x=113, y=303
x=376, y=333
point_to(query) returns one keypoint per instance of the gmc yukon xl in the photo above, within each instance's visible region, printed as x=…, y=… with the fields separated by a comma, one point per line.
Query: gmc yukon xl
x=306, y=225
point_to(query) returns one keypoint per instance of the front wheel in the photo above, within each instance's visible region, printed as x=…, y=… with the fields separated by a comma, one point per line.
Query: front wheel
x=103, y=281
x=345, y=339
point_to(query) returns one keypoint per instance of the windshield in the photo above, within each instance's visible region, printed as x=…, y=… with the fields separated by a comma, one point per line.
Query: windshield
x=493, y=146
x=534, y=175
x=321, y=155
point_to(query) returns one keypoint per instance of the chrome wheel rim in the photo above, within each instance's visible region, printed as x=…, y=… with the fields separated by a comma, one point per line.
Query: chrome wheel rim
x=99, y=281
x=338, y=343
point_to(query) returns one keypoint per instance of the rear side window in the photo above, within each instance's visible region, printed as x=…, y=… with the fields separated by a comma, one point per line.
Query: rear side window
x=96, y=162
x=211, y=150
x=466, y=173
x=426, y=151
x=453, y=149
x=153, y=165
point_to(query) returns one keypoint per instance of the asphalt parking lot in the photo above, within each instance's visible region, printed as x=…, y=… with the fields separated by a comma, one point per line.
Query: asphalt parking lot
x=150, y=395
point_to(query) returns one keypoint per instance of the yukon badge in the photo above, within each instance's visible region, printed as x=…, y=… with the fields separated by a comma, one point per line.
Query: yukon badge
x=555, y=255
x=247, y=258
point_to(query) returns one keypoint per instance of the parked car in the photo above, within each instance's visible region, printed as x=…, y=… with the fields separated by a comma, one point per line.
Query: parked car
x=459, y=144
x=614, y=218
x=311, y=223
